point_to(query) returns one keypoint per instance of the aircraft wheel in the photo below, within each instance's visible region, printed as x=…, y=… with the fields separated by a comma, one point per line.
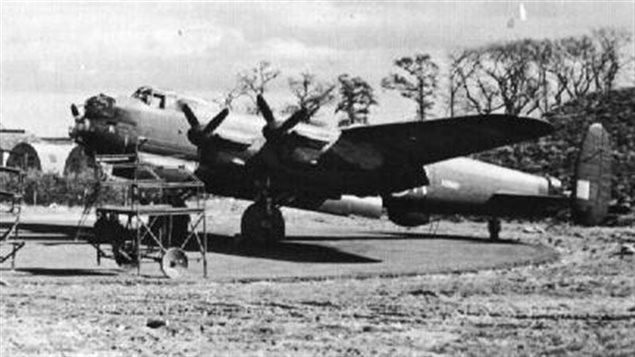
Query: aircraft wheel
x=174, y=263
x=494, y=227
x=259, y=226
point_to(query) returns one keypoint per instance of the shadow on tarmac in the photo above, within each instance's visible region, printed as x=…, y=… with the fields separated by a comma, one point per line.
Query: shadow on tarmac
x=386, y=235
x=286, y=250
x=431, y=236
x=45, y=228
x=296, y=248
x=66, y=272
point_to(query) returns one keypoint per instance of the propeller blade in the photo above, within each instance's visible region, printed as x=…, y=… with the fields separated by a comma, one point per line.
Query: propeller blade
x=294, y=120
x=216, y=121
x=264, y=109
x=189, y=115
x=75, y=111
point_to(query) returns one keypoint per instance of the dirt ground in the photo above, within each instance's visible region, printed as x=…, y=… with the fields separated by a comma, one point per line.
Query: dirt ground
x=581, y=304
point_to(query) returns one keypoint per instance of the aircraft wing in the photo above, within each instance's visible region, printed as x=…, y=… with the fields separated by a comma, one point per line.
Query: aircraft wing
x=434, y=140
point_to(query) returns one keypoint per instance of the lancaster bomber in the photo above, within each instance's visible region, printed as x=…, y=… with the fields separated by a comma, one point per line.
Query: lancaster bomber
x=408, y=169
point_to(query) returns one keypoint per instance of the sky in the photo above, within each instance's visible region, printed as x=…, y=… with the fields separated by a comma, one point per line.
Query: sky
x=56, y=53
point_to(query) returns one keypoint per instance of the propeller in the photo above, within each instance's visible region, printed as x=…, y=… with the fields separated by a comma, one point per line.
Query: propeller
x=264, y=109
x=197, y=133
x=274, y=130
x=75, y=112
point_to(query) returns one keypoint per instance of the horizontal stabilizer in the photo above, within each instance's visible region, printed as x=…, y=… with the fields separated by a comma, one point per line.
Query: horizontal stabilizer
x=503, y=204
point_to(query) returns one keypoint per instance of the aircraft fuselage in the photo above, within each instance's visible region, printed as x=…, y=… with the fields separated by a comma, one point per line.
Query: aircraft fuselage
x=118, y=125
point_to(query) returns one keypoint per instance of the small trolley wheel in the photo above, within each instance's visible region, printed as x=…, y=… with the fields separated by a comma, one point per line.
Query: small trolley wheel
x=174, y=263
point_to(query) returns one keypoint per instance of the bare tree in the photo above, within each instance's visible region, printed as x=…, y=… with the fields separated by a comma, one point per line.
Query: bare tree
x=514, y=72
x=417, y=81
x=456, y=101
x=502, y=76
x=578, y=65
x=572, y=65
x=356, y=98
x=609, y=59
x=226, y=100
x=254, y=81
x=542, y=55
x=310, y=93
x=480, y=95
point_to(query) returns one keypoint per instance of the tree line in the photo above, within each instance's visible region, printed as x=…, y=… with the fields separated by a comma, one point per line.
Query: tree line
x=524, y=76
x=521, y=77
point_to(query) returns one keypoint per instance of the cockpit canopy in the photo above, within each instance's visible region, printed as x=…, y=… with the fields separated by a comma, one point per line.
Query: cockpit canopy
x=169, y=100
x=156, y=98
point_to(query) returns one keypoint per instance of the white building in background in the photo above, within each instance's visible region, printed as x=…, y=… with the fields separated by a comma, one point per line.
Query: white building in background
x=55, y=156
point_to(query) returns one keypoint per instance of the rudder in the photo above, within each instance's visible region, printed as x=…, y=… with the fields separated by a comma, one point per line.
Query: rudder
x=592, y=178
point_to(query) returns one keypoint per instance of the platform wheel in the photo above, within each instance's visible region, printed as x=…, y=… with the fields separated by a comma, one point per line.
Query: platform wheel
x=174, y=263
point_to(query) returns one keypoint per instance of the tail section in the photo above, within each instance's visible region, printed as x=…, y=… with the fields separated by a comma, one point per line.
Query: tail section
x=592, y=180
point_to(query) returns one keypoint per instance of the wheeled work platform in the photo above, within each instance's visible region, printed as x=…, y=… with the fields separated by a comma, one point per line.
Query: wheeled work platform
x=151, y=221
x=149, y=235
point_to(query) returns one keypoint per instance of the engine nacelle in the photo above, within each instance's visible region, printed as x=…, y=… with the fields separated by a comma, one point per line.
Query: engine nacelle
x=370, y=207
x=404, y=208
x=408, y=218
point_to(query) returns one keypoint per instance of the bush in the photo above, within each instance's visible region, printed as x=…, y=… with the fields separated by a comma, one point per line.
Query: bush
x=73, y=190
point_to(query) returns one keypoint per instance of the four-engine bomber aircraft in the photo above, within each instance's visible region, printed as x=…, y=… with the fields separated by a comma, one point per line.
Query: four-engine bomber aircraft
x=414, y=168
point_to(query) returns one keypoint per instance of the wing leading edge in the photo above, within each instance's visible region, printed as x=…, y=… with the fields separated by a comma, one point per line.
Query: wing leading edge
x=435, y=140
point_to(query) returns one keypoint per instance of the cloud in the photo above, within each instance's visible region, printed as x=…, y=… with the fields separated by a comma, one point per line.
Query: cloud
x=292, y=49
x=322, y=15
x=69, y=45
x=99, y=32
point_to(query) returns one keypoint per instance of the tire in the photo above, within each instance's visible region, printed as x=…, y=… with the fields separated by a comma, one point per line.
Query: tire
x=174, y=263
x=258, y=226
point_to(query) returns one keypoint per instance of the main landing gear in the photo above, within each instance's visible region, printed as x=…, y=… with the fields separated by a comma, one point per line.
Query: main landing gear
x=262, y=223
